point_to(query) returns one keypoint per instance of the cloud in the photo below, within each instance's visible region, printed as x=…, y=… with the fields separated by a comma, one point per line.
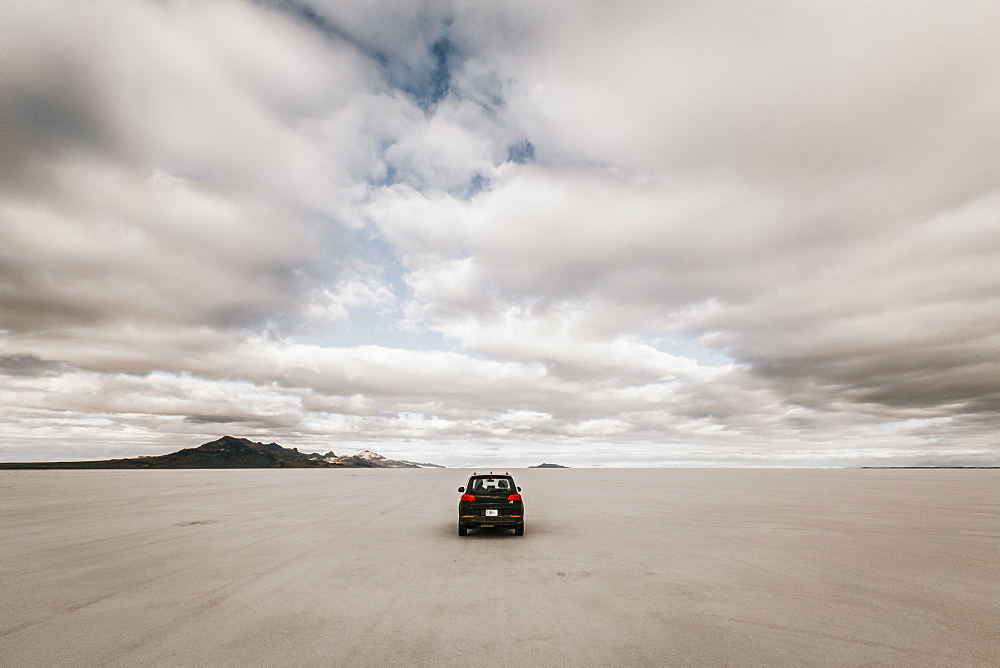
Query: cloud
x=212, y=419
x=30, y=365
x=696, y=233
x=183, y=163
x=789, y=172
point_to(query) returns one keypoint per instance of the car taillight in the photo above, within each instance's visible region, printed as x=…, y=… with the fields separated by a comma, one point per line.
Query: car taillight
x=514, y=497
x=468, y=497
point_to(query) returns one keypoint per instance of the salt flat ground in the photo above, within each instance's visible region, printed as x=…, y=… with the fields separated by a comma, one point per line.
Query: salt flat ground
x=617, y=567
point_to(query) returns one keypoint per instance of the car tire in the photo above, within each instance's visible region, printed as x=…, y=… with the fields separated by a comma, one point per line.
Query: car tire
x=519, y=530
x=462, y=530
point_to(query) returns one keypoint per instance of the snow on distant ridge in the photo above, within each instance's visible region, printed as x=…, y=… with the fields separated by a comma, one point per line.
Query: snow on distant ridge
x=369, y=459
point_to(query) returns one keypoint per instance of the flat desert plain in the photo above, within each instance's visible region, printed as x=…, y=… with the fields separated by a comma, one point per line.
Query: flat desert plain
x=617, y=567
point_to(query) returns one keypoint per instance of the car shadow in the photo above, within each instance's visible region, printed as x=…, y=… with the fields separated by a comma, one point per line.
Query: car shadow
x=489, y=533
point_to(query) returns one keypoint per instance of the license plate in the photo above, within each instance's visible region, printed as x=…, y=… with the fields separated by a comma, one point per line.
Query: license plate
x=492, y=512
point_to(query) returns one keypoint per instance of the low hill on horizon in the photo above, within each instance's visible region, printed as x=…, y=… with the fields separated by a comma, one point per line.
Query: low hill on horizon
x=231, y=452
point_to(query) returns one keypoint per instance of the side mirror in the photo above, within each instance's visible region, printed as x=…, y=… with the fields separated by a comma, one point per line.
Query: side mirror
x=461, y=489
x=519, y=489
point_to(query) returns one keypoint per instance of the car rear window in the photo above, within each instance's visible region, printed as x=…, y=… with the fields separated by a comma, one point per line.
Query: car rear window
x=491, y=486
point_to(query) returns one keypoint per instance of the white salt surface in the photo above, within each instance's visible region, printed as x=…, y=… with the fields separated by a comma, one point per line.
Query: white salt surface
x=617, y=567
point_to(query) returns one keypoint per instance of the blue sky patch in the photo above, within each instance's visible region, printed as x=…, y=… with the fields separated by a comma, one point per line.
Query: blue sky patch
x=521, y=152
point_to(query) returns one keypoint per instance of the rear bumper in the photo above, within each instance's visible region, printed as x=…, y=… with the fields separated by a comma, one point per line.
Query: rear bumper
x=483, y=521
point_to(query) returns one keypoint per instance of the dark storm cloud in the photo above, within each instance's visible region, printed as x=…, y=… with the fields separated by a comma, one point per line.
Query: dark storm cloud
x=30, y=365
x=39, y=121
x=212, y=419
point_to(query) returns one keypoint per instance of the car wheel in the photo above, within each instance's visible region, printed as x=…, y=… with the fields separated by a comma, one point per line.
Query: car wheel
x=519, y=530
x=462, y=530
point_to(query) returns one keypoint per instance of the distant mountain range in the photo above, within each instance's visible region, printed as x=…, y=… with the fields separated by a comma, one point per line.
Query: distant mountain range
x=230, y=452
x=549, y=466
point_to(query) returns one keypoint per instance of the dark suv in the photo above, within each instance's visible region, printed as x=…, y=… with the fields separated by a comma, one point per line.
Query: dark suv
x=490, y=500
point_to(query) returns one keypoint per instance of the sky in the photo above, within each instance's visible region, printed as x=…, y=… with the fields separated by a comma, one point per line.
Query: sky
x=592, y=233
